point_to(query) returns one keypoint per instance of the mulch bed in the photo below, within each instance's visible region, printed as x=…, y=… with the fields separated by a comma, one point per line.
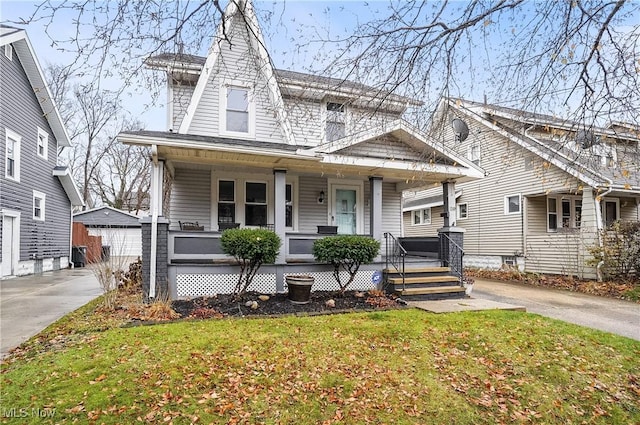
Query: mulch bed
x=278, y=304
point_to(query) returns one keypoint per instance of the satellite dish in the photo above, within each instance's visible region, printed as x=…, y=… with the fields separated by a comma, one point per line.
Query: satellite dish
x=586, y=138
x=461, y=129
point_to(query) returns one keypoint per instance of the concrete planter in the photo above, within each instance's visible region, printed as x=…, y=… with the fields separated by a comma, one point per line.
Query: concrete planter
x=299, y=288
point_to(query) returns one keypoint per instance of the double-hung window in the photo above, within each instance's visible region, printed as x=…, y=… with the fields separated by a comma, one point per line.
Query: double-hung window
x=12, y=155
x=226, y=201
x=474, y=153
x=42, y=143
x=422, y=216
x=335, y=124
x=39, y=199
x=564, y=213
x=236, y=110
x=288, y=207
x=255, y=207
x=463, y=211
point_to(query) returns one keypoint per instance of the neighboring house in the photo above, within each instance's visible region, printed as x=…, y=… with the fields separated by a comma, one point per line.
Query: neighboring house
x=550, y=185
x=249, y=145
x=36, y=193
x=120, y=231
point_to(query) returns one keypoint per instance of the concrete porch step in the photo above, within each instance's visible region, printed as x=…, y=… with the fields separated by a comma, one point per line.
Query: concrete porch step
x=432, y=293
x=413, y=270
x=422, y=279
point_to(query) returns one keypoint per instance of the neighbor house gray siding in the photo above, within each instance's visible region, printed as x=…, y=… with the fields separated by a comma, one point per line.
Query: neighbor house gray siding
x=21, y=113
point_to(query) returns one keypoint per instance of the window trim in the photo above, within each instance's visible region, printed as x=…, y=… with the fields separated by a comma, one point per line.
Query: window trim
x=420, y=214
x=265, y=203
x=466, y=212
x=325, y=118
x=16, y=154
x=470, y=155
x=251, y=109
x=218, y=201
x=506, y=204
x=45, y=138
x=43, y=205
x=558, y=199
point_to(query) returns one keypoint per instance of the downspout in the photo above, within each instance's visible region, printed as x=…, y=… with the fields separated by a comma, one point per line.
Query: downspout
x=154, y=223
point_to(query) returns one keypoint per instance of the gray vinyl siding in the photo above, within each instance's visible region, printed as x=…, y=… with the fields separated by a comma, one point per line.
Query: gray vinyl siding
x=21, y=112
x=437, y=222
x=306, y=120
x=181, y=97
x=365, y=119
x=310, y=213
x=629, y=210
x=391, y=209
x=537, y=215
x=233, y=65
x=385, y=147
x=191, y=197
x=555, y=253
x=510, y=170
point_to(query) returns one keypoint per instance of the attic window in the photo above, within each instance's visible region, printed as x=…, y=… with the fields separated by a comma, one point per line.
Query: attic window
x=236, y=110
x=335, y=122
x=8, y=51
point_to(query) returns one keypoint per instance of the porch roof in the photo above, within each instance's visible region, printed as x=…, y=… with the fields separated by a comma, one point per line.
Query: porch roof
x=406, y=172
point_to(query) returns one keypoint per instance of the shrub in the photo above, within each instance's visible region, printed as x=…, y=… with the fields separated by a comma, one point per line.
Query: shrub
x=251, y=248
x=346, y=252
x=620, y=250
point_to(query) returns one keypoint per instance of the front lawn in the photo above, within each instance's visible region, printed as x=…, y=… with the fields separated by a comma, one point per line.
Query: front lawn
x=403, y=366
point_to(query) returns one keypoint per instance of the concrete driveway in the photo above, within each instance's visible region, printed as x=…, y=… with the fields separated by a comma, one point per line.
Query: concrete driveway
x=606, y=314
x=29, y=304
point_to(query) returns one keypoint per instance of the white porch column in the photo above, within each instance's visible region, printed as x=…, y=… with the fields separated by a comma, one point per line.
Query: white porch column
x=375, y=208
x=157, y=176
x=590, y=224
x=449, y=198
x=280, y=200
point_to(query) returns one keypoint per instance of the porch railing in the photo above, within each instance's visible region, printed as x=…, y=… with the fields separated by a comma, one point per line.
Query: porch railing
x=451, y=255
x=395, y=255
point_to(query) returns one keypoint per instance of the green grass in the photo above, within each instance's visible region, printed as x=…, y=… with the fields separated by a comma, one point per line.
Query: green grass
x=401, y=367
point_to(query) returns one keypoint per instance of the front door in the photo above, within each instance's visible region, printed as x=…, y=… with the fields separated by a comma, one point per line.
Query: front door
x=8, y=246
x=345, y=210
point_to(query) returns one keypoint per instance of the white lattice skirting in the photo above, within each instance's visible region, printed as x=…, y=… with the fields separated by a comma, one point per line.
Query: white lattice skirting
x=199, y=285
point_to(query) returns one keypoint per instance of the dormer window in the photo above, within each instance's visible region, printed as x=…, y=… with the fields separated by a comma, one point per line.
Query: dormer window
x=335, y=121
x=237, y=110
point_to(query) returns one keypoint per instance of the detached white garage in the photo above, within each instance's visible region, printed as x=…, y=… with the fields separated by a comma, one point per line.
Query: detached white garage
x=120, y=231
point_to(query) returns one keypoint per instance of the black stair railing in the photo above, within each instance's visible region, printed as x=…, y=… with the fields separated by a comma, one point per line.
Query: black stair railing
x=451, y=254
x=395, y=255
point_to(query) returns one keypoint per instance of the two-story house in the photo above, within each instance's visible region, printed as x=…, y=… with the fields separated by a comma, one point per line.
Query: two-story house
x=36, y=193
x=249, y=145
x=551, y=185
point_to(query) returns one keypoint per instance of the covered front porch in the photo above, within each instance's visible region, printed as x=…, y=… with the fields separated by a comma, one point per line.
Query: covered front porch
x=203, y=185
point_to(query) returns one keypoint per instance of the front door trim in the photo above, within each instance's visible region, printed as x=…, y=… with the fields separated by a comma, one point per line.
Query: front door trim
x=358, y=186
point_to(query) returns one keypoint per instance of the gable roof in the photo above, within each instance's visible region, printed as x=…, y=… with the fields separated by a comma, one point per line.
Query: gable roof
x=431, y=157
x=516, y=126
x=107, y=217
x=237, y=13
x=22, y=47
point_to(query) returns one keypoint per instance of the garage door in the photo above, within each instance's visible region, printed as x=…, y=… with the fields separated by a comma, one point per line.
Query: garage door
x=125, y=242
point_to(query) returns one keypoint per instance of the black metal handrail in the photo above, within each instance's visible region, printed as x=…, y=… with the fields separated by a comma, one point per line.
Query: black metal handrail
x=395, y=255
x=452, y=255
